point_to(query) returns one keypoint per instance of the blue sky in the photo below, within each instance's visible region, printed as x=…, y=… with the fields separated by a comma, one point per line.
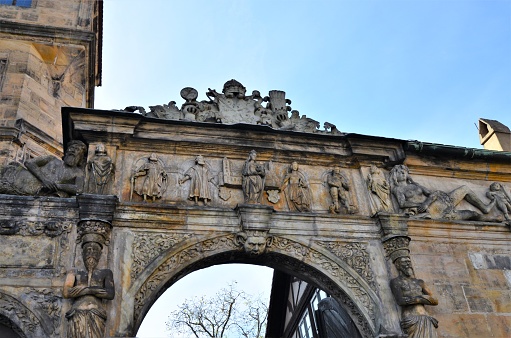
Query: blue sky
x=421, y=70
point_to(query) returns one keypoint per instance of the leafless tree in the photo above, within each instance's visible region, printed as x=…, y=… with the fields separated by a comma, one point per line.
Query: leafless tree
x=229, y=313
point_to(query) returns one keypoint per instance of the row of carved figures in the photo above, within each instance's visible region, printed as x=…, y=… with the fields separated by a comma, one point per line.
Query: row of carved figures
x=48, y=175
x=149, y=180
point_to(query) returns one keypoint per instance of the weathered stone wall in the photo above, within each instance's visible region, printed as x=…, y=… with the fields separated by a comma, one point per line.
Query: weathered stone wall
x=48, y=53
x=56, y=13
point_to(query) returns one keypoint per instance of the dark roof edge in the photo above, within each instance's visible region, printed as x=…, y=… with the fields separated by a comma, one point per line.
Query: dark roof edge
x=455, y=151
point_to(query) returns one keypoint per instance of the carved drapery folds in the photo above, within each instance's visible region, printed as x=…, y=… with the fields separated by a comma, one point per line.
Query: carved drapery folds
x=252, y=179
x=297, y=189
x=100, y=170
x=148, y=178
x=89, y=287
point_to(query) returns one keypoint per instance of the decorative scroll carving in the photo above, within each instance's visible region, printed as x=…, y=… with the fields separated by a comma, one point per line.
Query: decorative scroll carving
x=254, y=242
x=350, y=306
x=317, y=259
x=149, y=179
x=497, y=192
x=11, y=308
x=101, y=170
x=415, y=199
x=379, y=190
x=33, y=228
x=234, y=106
x=51, y=305
x=339, y=189
x=298, y=193
x=253, y=177
x=180, y=259
x=355, y=255
x=148, y=246
x=200, y=177
x=46, y=175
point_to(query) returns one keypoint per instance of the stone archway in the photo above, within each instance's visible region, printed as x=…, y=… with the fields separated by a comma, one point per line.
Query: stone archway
x=309, y=262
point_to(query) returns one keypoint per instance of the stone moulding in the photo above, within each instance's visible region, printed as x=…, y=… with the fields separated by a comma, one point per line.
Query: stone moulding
x=21, y=316
x=343, y=281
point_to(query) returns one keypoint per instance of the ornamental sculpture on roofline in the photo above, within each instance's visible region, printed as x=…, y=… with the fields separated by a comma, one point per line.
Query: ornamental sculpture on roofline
x=233, y=106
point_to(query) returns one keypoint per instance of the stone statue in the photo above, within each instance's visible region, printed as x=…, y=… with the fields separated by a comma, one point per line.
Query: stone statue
x=254, y=242
x=47, y=175
x=412, y=294
x=101, y=170
x=379, y=188
x=298, y=194
x=200, y=179
x=415, y=199
x=87, y=316
x=339, y=191
x=154, y=181
x=502, y=199
x=252, y=181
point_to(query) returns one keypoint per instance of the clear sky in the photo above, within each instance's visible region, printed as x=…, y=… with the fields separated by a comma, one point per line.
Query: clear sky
x=422, y=70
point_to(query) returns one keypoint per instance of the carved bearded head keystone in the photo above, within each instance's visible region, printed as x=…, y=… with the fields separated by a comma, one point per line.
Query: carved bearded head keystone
x=253, y=242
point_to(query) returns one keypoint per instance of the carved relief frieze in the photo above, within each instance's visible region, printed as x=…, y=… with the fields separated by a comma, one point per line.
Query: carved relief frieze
x=33, y=228
x=147, y=246
x=353, y=254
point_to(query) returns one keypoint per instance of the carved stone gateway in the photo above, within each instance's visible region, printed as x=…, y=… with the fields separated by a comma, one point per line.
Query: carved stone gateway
x=388, y=228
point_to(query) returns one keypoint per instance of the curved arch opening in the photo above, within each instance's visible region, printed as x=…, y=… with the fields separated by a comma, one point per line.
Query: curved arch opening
x=301, y=316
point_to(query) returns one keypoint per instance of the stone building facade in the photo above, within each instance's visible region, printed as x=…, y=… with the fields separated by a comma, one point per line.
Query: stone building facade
x=50, y=57
x=405, y=236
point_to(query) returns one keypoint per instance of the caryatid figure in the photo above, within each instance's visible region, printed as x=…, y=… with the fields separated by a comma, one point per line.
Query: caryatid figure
x=412, y=294
x=88, y=288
